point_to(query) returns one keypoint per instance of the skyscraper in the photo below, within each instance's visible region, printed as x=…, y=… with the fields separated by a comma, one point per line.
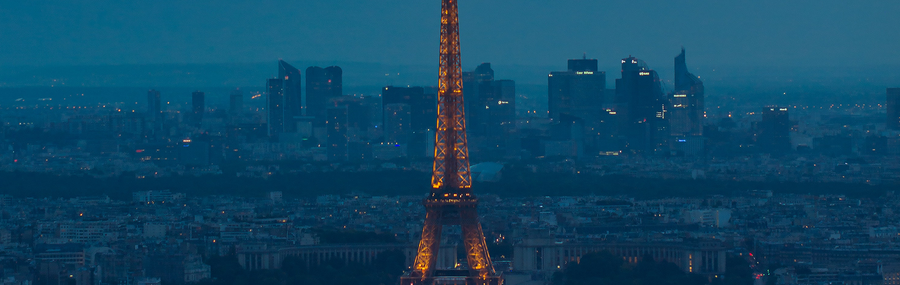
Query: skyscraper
x=893, y=108
x=293, y=102
x=498, y=120
x=422, y=105
x=275, y=106
x=336, y=131
x=424, y=110
x=583, y=64
x=477, y=86
x=236, y=102
x=405, y=95
x=501, y=108
x=686, y=110
x=640, y=99
x=578, y=94
x=198, y=103
x=397, y=123
x=154, y=105
x=321, y=85
x=774, y=131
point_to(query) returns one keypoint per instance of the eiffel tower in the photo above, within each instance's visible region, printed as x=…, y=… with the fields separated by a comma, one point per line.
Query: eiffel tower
x=451, y=201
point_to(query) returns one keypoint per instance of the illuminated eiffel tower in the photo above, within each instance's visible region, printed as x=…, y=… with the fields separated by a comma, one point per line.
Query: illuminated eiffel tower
x=451, y=201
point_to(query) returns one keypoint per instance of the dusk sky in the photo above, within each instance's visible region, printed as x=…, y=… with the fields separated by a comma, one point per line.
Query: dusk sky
x=525, y=32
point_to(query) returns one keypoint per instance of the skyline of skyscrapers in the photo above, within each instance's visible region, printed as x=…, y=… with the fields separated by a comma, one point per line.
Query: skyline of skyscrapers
x=586, y=118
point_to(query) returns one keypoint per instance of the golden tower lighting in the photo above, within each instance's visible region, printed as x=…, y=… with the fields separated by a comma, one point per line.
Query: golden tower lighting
x=451, y=201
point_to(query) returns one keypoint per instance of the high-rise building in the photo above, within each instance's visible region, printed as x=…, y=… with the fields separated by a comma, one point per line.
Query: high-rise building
x=583, y=64
x=337, y=139
x=578, y=93
x=397, y=129
x=639, y=98
x=422, y=105
x=424, y=110
x=893, y=108
x=154, y=105
x=501, y=108
x=774, y=131
x=293, y=102
x=490, y=111
x=686, y=110
x=198, y=103
x=236, y=102
x=496, y=127
x=322, y=84
x=477, y=86
x=275, y=106
x=359, y=115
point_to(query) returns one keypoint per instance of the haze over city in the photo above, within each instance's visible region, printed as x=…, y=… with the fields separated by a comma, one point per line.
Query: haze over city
x=449, y=142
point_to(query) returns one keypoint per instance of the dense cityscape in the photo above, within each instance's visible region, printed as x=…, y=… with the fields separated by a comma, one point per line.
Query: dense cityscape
x=309, y=176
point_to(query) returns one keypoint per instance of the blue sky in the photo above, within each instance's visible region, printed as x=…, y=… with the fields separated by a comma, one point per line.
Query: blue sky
x=504, y=32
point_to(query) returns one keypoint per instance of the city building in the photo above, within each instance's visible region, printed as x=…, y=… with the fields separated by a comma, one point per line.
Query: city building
x=774, y=131
x=422, y=105
x=336, y=130
x=477, y=87
x=396, y=127
x=686, y=110
x=154, y=105
x=639, y=98
x=293, y=102
x=263, y=257
x=322, y=84
x=705, y=257
x=893, y=108
x=236, y=102
x=578, y=94
x=490, y=112
x=198, y=107
x=275, y=107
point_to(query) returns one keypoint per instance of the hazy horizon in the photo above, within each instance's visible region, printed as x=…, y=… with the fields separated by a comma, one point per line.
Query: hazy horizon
x=505, y=32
